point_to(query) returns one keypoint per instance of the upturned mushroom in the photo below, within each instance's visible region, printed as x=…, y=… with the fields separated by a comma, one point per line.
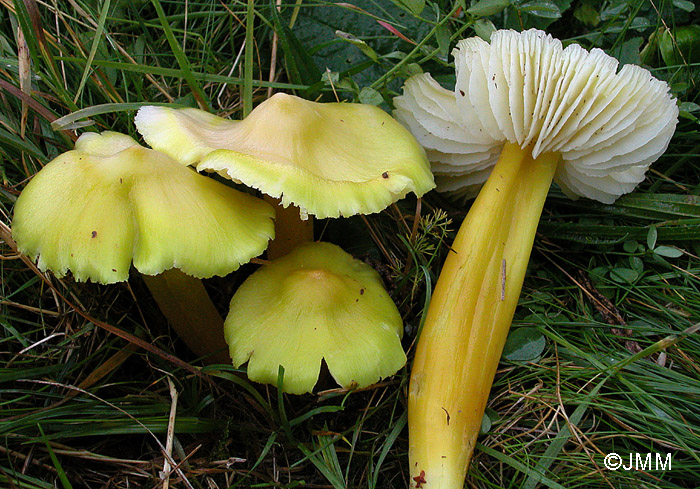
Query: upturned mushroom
x=317, y=303
x=323, y=159
x=524, y=111
x=95, y=209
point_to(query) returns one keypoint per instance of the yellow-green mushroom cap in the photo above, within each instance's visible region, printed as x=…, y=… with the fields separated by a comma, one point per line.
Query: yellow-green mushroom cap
x=109, y=201
x=315, y=303
x=330, y=160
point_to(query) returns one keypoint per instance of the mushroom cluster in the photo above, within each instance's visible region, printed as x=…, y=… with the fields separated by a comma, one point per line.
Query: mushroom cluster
x=316, y=159
x=525, y=111
x=110, y=202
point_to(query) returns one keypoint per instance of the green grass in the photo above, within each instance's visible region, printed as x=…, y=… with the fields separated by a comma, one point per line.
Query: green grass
x=608, y=306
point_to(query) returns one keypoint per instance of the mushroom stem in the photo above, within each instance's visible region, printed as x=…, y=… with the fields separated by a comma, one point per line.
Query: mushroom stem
x=469, y=317
x=186, y=305
x=290, y=230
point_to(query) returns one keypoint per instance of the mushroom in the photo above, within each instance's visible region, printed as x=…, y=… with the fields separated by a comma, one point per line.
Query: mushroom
x=525, y=111
x=327, y=159
x=315, y=303
x=93, y=210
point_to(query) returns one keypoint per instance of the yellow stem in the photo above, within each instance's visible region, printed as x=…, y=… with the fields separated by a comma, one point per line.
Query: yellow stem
x=290, y=230
x=186, y=305
x=469, y=316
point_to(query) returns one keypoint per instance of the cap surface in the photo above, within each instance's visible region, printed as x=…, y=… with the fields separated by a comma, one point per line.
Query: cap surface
x=328, y=159
x=608, y=125
x=315, y=303
x=109, y=201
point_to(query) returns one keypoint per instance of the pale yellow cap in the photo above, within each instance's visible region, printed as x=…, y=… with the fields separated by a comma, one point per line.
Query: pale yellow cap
x=93, y=210
x=328, y=159
x=315, y=303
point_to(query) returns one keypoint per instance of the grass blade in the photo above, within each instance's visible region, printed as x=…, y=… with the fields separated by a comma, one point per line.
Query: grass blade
x=248, y=59
x=93, y=49
x=182, y=60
